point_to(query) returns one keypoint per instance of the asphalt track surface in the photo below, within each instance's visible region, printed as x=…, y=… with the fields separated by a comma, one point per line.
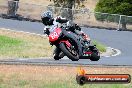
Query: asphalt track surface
x=121, y=40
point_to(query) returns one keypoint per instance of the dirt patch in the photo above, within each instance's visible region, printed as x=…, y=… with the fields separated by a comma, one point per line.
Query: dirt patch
x=57, y=72
x=38, y=2
x=20, y=76
x=61, y=71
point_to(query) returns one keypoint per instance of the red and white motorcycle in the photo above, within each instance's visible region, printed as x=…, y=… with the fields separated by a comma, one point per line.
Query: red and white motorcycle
x=72, y=45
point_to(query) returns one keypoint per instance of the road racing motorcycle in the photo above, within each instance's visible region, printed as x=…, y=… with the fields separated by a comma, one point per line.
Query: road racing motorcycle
x=72, y=45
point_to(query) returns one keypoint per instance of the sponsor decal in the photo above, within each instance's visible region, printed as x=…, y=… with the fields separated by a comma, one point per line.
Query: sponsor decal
x=84, y=78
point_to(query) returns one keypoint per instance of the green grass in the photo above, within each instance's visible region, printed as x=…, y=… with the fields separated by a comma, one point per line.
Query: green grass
x=13, y=81
x=8, y=43
x=100, y=46
x=68, y=85
x=22, y=45
x=10, y=46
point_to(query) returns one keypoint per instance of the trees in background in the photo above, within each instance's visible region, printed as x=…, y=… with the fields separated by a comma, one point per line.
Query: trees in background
x=122, y=7
x=67, y=4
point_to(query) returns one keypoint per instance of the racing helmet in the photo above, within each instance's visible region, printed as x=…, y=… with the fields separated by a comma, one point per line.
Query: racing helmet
x=47, y=17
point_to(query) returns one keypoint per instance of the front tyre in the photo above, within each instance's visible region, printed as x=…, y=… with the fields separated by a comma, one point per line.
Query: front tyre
x=66, y=51
x=56, y=58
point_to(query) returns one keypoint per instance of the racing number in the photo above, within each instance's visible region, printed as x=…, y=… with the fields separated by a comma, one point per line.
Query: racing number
x=54, y=35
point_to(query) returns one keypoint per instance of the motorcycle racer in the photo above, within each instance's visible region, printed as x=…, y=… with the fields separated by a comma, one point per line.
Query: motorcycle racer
x=51, y=23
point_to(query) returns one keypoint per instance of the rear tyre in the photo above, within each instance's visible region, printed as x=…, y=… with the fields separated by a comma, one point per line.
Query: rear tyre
x=64, y=49
x=95, y=56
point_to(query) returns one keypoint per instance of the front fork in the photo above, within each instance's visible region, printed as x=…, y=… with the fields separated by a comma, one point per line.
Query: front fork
x=74, y=37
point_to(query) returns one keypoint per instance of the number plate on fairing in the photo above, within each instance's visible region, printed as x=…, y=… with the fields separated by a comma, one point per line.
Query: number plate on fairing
x=55, y=35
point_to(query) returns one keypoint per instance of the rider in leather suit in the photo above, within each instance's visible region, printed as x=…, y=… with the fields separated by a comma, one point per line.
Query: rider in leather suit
x=50, y=23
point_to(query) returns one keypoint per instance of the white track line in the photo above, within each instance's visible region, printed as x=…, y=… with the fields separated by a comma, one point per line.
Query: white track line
x=22, y=32
x=118, y=52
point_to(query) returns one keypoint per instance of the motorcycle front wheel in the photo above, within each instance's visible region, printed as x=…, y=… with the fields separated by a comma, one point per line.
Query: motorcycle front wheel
x=70, y=53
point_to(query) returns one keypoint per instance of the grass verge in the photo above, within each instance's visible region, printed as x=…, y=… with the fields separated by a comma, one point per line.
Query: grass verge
x=12, y=76
x=23, y=45
x=10, y=46
x=100, y=46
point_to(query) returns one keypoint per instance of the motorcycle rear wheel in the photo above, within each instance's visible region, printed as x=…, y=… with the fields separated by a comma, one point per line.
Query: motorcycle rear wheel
x=95, y=56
